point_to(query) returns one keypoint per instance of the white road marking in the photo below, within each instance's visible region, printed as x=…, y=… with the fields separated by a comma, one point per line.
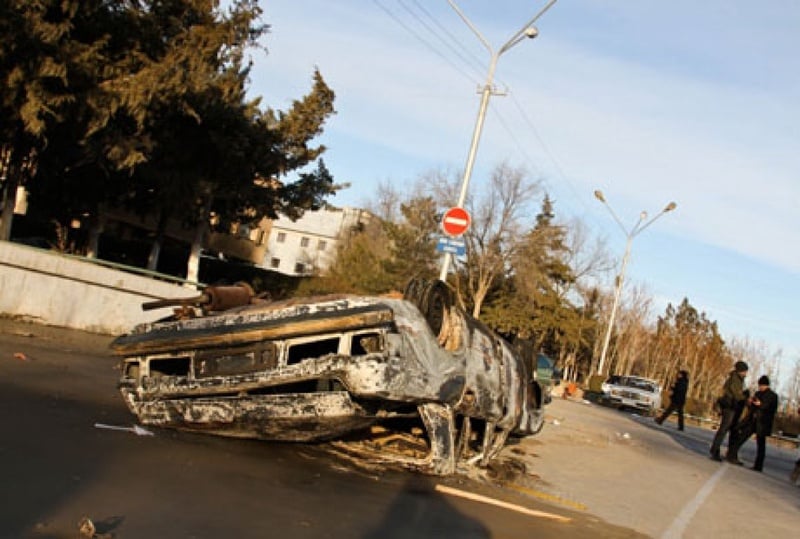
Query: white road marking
x=678, y=526
x=500, y=503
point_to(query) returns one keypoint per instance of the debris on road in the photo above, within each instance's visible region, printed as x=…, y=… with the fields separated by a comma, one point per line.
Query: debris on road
x=86, y=528
x=499, y=503
x=136, y=429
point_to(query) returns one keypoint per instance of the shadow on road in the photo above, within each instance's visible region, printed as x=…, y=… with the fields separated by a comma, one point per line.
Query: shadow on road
x=692, y=438
x=419, y=511
x=44, y=464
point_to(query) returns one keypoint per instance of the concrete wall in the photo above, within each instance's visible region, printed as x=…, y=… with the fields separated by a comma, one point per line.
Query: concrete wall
x=53, y=289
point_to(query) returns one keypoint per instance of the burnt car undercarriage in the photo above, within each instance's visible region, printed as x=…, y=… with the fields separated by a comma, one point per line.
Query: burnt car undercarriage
x=409, y=381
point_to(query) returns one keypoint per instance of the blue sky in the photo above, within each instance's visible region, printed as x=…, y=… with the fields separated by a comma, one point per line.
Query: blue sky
x=649, y=101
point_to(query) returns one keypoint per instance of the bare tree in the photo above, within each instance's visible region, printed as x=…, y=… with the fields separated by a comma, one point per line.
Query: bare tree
x=792, y=386
x=386, y=203
x=629, y=351
x=761, y=359
x=497, y=223
x=497, y=211
x=588, y=257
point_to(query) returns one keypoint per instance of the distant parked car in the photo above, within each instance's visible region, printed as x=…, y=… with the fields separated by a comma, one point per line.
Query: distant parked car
x=642, y=394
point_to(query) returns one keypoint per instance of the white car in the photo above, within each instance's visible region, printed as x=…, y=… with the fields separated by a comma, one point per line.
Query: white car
x=636, y=392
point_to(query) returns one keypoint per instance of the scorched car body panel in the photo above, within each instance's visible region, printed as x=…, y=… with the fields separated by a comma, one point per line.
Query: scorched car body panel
x=363, y=369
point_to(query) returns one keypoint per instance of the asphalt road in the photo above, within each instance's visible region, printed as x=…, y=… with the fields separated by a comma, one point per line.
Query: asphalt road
x=57, y=468
x=659, y=481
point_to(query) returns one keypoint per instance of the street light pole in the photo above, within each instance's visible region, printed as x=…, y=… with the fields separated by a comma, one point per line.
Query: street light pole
x=637, y=229
x=529, y=31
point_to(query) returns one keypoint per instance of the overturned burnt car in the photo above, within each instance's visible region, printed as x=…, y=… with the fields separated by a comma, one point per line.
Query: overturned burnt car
x=412, y=381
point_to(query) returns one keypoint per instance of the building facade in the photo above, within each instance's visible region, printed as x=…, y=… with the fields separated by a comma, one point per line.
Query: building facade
x=308, y=246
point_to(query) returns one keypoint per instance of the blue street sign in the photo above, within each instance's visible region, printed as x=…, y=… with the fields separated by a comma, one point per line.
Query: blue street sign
x=457, y=246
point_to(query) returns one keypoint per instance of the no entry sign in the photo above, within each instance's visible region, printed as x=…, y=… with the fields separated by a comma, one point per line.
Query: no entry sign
x=455, y=221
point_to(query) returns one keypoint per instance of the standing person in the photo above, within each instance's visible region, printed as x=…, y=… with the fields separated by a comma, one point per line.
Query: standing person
x=677, y=398
x=731, y=403
x=763, y=407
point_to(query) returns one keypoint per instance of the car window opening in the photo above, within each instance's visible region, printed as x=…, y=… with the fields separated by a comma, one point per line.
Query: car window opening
x=310, y=350
x=172, y=366
x=366, y=343
x=226, y=362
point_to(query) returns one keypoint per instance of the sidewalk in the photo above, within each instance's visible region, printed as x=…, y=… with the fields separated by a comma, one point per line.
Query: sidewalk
x=93, y=343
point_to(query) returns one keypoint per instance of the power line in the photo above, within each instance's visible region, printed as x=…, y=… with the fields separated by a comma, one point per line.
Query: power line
x=470, y=60
x=547, y=151
x=422, y=40
x=464, y=53
x=548, y=185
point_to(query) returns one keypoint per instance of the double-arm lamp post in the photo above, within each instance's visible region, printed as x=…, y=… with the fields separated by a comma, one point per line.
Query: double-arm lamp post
x=637, y=229
x=529, y=31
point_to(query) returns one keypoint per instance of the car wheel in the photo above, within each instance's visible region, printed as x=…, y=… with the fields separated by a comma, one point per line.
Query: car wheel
x=437, y=300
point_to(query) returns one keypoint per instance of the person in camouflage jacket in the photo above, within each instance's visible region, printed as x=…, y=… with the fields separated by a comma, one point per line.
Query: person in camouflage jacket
x=731, y=403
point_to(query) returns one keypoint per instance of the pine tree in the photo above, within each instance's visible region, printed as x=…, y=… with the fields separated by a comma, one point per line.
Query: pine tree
x=40, y=73
x=143, y=104
x=532, y=304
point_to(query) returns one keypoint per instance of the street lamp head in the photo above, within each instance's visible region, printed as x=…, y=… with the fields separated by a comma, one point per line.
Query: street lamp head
x=531, y=32
x=671, y=206
x=598, y=194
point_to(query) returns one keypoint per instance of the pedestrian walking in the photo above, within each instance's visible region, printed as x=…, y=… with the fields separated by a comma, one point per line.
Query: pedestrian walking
x=677, y=398
x=731, y=403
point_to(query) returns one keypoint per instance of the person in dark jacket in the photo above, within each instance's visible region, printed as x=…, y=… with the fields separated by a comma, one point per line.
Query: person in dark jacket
x=731, y=403
x=762, y=409
x=677, y=399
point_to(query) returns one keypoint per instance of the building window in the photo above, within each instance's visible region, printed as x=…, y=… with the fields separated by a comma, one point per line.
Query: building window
x=257, y=235
x=275, y=263
x=281, y=237
x=321, y=245
x=304, y=242
x=299, y=267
